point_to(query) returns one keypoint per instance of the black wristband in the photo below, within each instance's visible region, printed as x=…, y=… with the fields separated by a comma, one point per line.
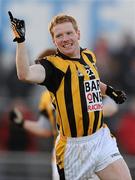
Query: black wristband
x=117, y=95
x=19, y=40
x=110, y=91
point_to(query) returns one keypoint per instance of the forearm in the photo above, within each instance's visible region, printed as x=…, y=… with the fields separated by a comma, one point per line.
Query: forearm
x=25, y=72
x=31, y=73
x=117, y=95
x=34, y=128
x=22, y=61
x=103, y=88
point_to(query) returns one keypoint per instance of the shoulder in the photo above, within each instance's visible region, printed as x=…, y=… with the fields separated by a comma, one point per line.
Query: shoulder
x=46, y=62
x=45, y=100
x=56, y=62
x=45, y=95
x=90, y=55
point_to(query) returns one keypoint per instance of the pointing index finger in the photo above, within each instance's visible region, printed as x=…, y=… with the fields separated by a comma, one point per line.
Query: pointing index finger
x=10, y=15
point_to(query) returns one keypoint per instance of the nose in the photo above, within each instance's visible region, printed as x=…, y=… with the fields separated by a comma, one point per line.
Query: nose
x=65, y=37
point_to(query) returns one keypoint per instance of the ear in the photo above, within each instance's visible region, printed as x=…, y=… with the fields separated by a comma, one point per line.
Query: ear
x=53, y=41
x=78, y=33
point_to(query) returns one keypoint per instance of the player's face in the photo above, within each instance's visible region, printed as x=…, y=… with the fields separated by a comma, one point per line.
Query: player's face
x=67, y=39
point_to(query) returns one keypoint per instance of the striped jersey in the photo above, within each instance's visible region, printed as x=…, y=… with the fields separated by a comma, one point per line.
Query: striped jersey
x=75, y=84
x=46, y=109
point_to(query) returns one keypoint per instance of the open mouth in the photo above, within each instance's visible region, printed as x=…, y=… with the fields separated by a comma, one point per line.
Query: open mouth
x=67, y=46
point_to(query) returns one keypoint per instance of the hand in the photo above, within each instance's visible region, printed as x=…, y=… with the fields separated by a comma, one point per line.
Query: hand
x=18, y=28
x=118, y=96
x=16, y=117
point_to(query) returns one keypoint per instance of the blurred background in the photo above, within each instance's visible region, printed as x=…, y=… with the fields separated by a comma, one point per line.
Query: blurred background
x=107, y=28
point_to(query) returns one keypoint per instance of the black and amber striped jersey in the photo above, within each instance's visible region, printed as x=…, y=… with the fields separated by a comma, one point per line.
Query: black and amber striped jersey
x=75, y=84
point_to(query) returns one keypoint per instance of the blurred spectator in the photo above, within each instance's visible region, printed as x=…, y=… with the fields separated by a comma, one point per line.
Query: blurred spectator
x=130, y=77
x=10, y=137
x=103, y=64
x=126, y=129
x=125, y=57
x=15, y=87
x=2, y=76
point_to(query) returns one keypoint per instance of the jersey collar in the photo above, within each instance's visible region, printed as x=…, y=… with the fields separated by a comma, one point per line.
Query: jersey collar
x=68, y=58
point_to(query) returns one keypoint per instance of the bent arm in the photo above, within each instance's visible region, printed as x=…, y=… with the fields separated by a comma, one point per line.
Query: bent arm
x=34, y=128
x=34, y=73
x=103, y=88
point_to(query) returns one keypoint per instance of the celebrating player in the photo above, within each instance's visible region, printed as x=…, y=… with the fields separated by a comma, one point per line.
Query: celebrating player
x=85, y=145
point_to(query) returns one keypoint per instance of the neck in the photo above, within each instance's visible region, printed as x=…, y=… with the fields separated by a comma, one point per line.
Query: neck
x=78, y=56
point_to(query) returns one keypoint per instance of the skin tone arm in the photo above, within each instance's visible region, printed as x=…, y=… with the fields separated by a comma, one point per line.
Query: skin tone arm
x=34, y=73
x=103, y=88
x=110, y=107
x=33, y=127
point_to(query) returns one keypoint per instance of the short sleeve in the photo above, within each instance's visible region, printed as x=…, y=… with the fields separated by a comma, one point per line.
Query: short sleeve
x=53, y=76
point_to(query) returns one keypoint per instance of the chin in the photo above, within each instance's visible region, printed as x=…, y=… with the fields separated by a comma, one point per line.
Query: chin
x=68, y=52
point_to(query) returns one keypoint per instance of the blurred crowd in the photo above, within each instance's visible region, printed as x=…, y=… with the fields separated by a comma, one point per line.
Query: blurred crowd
x=116, y=67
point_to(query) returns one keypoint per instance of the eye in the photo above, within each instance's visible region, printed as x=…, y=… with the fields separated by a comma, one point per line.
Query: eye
x=58, y=36
x=69, y=33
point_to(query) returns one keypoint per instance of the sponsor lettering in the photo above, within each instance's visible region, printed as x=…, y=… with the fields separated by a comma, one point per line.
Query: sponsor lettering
x=93, y=95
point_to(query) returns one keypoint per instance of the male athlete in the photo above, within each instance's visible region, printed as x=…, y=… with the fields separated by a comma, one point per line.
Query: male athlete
x=85, y=145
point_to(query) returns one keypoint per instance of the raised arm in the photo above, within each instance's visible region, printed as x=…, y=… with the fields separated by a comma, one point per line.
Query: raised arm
x=25, y=71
